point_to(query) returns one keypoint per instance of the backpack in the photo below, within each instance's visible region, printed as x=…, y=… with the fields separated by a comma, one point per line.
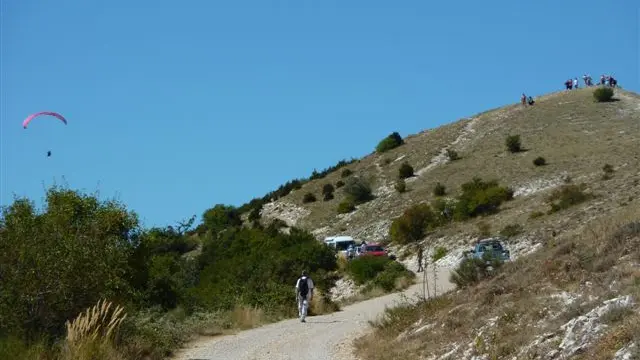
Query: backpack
x=303, y=286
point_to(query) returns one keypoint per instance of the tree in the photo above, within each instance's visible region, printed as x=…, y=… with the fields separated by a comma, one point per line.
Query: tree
x=55, y=263
x=221, y=217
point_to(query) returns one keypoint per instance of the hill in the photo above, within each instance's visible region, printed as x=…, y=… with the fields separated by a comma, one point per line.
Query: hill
x=574, y=134
x=571, y=222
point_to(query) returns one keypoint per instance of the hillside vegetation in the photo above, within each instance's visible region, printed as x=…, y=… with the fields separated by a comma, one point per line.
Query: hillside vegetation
x=538, y=175
x=559, y=182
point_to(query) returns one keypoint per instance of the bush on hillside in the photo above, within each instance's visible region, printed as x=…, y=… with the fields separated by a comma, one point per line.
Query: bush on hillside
x=566, y=196
x=539, y=161
x=473, y=270
x=327, y=192
x=405, y=171
x=452, y=155
x=358, y=191
x=513, y=143
x=444, y=208
x=339, y=184
x=390, y=278
x=221, y=217
x=346, y=206
x=255, y=215
x=390, y=142
x=439, y=190
x=346, y=173
x=480, y=197
x=308, y=198
x=377, y=270
x=413, y=224
x=603, y=94
x=327, y=189
x=439, y=253
x=400, y=186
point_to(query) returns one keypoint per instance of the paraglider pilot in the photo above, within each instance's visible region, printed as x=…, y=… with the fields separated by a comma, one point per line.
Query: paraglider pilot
x=48, y=153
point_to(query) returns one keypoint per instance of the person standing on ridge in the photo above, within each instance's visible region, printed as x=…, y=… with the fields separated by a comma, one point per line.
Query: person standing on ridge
x=304, y=295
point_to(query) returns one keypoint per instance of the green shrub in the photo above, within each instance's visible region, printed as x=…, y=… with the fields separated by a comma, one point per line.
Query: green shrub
x=366, y=268
x=480, y=198
x=566, y=196
x=439, y=253
x=254, y=215
x=511, y=230
x=327, y=188
x=346, y=206
x=358, y=190
x=390, y=142
x=405, y=171
x=327, y=192
x=453, y=155
x=308, y=197
x=539, y=161
x=445, y=208
x=339, y=184
x=513, y=143
x=413, y=224
x=346, y=173
x=472, y=270
x=603, y=94
x=439, y=190
x=401, y=186
x=388, y=278
x=221, y=217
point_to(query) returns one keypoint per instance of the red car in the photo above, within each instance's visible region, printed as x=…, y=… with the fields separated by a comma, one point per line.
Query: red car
x=374, y=250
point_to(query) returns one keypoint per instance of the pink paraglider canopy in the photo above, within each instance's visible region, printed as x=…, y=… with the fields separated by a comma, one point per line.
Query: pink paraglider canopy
x=30, y=117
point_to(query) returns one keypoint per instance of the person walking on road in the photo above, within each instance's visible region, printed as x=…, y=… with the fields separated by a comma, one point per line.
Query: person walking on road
x=304, y=295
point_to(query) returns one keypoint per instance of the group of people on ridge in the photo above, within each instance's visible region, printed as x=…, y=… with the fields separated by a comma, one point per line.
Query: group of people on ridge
x=605, y=80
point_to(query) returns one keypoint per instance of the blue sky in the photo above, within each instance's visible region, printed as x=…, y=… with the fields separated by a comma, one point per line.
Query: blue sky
x=176, y=106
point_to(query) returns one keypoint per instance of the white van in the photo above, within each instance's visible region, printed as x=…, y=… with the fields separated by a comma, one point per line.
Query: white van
x=340, y=243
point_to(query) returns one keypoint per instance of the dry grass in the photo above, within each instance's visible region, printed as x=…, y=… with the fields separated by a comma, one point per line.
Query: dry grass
x=320, y=305
x=246, y=317
x=366, y=294
x=90, y=335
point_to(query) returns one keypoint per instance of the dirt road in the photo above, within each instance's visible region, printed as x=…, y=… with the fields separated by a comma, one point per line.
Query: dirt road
x=325, y=337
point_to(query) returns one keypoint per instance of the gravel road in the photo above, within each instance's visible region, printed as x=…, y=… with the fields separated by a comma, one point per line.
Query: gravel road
x=324, y=337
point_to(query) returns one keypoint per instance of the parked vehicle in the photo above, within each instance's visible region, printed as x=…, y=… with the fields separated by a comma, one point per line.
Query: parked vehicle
x=340, y=243
x=491, y=246
x=376, y=250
